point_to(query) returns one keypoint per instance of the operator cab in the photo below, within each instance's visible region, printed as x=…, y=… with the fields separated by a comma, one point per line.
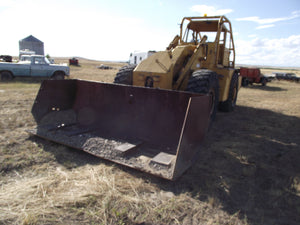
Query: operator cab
x=218, y=32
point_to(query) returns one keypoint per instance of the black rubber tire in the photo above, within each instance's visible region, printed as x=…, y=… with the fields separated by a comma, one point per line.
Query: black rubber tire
x=206, y=82
x=245, y=82
x=125, y=74
x=58, y=76
x=230, y=103
x=6, y=76
x=264, y=81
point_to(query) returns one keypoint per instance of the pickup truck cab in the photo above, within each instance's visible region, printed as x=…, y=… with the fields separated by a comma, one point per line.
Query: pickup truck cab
x=33, y=66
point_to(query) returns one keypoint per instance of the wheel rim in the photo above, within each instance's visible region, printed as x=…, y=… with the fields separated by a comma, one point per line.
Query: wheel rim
x=58, y=76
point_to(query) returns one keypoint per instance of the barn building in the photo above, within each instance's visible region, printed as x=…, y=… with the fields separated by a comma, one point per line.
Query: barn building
x=31, y=45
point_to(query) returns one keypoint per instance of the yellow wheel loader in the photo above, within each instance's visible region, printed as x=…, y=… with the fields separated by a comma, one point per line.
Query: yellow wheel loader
x=155, y=115
x=201, y=59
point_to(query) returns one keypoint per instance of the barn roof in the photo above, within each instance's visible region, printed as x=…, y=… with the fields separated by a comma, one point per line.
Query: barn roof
x=31, y=38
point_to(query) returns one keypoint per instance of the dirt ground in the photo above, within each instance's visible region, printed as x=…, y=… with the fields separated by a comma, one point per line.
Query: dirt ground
x=247, y=172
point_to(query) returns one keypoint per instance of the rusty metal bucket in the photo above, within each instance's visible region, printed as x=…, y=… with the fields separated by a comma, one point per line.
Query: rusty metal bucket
x=152, y=130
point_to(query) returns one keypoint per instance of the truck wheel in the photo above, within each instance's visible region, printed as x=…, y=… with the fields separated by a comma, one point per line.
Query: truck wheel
x=58, y=76
x=264, y=82
x=230, y=103
x=245, y=82
x=206, y=82
x=125, y=74
x=6, y=76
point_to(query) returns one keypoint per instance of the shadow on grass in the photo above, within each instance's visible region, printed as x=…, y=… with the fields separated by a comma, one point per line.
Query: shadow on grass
x=27, y=80
x=250, y=163
x=264, y=88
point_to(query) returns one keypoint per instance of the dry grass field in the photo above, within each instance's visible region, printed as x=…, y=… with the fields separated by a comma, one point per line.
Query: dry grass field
x=248, y=170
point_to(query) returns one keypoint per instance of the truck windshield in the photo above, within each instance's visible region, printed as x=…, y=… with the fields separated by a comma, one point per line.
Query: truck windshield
x=41, y=60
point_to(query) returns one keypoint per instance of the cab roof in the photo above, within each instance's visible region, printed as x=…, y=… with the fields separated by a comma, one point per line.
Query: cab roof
x=205, y=26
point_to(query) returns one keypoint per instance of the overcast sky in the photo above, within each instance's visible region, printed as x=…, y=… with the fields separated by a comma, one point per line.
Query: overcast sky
x=266, y=32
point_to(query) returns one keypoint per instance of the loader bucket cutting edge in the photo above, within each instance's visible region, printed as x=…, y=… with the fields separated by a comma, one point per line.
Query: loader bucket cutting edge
x=152, y=130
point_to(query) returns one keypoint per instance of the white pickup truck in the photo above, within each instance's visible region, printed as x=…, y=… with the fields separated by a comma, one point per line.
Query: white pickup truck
x=33, y=66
